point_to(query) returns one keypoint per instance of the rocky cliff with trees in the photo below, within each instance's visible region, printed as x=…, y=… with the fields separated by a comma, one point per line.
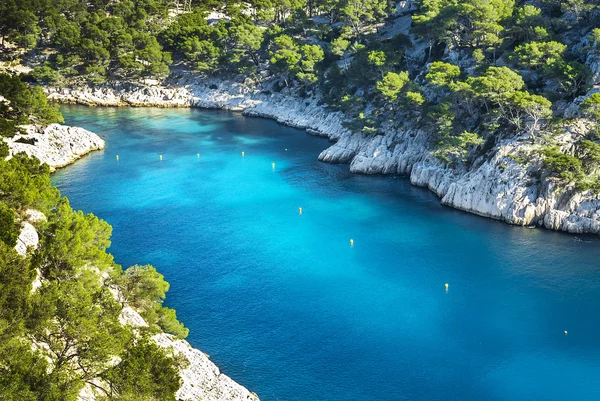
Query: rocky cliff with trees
x=491, y=104
x=75, y=325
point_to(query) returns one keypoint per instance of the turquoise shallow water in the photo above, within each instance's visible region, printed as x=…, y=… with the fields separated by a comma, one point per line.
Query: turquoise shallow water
x=286, y=307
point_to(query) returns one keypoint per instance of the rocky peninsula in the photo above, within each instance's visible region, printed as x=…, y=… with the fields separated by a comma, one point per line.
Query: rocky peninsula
x=56, y=145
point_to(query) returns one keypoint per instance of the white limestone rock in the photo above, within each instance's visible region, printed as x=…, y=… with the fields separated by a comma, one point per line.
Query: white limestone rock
x=201, y=379
x=27, y=238
x=35, y=216
x=57, y=145
x=495, y=186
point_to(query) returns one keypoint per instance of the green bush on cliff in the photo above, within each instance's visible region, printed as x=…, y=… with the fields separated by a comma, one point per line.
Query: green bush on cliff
x=145, y=372
x=582, y=171
x=25, y=105
x=145, y=289
x=9, y=231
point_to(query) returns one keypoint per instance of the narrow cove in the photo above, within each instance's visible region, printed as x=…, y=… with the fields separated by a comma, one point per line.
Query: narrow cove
x=287, y=308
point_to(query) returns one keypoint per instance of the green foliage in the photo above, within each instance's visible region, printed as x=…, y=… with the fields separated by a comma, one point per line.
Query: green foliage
x=377, y=58
x=26, y=183
x=496, y=83
x=9, y=231
x=73, y=240
x=23, y=371
x=392, y=84
x=358, y=13
x=144, y=373
x=74, y=313
x=339, y=46
x=96, y=34
x=46, y=74
x=26, y=105
x=573, y=78
x=473, y=22
x=442, y=74
x=595, y=39
x=167, y=320
x=145, y=289
x=441, y=119
x=77, y=318
x=521, y=103
x=4, y=150
x=415, y=98
x=453, y=148
x=582, y=169
x=591, y=106
x=18, y=24
x=66, y=332
x=294, y=61
x=589, y=153
x=566, y=166
x=528, y=24
x=544, y=56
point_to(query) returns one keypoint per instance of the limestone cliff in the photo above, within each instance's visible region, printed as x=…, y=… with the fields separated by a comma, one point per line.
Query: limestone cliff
x=201, y=379
x=496, y=185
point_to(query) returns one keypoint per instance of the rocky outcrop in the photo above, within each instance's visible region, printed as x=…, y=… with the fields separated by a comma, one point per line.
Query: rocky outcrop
x=495, y=186
x=57, y=145
x=200, y=379
x=28, y=238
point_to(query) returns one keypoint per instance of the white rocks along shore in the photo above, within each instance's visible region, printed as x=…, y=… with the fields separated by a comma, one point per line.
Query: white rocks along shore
x=495, y=186
x=57, y=145
x=201, y=379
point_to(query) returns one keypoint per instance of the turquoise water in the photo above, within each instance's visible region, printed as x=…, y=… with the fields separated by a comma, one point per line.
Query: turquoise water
x=286, y=307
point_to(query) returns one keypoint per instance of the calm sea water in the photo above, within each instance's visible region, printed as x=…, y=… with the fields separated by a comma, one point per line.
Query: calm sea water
x=286, y=307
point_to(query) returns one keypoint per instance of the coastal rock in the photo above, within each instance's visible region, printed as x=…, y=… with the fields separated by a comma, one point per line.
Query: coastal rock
x=201, y=379
x=27, y=238
x=57, y=145
x=494, y=186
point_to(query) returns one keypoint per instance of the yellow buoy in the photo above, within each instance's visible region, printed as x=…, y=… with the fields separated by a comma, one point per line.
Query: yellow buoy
x=566, y=332
x=117, y=157
x=352, y=243
x=300, y=210
x=286, y=149
x=273, y=165
x=198, y=155
x=160, y=156
x=242, y=154
x=446, y=285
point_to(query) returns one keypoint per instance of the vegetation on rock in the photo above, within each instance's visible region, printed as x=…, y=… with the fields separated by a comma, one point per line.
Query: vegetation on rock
x=65, y=333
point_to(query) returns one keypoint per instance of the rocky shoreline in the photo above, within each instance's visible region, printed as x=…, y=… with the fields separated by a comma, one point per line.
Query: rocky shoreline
x=201, y=379
x=56, y=145
x=496, y=185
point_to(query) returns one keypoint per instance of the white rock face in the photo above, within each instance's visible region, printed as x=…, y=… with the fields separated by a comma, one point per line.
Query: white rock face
x=57, y=145
x=28, y=238
x=495, y=186
x=201, y=379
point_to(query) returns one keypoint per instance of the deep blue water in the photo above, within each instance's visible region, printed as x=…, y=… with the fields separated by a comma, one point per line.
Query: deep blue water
x=286, y=307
